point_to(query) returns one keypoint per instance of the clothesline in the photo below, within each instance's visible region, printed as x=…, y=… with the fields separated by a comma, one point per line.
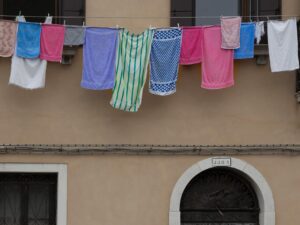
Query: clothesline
x=150, y=17
x=118, y=59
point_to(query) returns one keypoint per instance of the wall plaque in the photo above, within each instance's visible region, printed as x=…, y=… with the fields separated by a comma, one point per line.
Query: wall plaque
x=221, y=161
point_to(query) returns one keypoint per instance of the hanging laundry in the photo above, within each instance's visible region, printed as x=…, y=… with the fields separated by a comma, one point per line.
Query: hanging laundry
x=131, y=69
x=217, y=65
x=191, y=48
x=28, y=40
x=99, y=58
x=230, y=28
x=8, y=30
x=164, y=61
x=283, y=45
x=52, y=42
x=246, y=50
x=259, y=31
x=74, y=35
x=28, y=73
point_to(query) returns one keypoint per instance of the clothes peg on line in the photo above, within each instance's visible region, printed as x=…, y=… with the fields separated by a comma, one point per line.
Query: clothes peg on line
x=178, y=25
x=117, y=26
x=48, y=14
x=20, y=13
x=83, y=23
x=64, y=22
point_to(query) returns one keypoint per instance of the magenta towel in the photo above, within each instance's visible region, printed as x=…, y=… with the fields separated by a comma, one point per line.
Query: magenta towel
x=52, y=42
x=217, y=65
x=191, y=46
x=230, y=27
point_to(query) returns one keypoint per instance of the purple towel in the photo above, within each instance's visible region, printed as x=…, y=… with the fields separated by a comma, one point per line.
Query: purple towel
x=99, y=56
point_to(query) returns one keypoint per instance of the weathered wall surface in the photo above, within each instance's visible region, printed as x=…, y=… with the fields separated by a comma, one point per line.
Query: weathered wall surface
x=259, y=109
x=134, y=190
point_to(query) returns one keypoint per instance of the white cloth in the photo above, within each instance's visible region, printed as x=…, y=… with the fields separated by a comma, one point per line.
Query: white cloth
x=259, y=31
x=283, y=45
x=28, y=73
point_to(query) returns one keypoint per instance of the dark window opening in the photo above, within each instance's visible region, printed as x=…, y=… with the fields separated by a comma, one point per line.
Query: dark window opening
x=28, y=199
x=219, y=196
x=45, y=7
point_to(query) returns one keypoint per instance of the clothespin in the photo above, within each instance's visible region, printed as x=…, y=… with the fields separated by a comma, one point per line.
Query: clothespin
x=178, y=25
x=48, y=14
x=20, y=13
x=117, y=26
x=64, y=22
x=83, y=23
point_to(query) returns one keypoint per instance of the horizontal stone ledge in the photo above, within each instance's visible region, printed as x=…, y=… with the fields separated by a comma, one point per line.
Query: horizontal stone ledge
x=125, y=149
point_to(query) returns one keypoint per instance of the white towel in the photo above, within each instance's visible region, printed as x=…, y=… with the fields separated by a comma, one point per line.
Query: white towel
x=283, y=45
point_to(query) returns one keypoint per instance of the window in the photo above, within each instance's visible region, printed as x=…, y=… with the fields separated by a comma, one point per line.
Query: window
x=43, y=7
x=198, y=8
x=28, y=198
x=298, y=71
x=31, y=175
x=219, y=196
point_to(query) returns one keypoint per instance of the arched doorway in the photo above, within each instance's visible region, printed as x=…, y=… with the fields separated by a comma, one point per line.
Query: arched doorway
x=244, y=169
x=219, y=196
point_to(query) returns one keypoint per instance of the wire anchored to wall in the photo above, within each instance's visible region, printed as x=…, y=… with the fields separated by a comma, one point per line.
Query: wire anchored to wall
x=148, y=17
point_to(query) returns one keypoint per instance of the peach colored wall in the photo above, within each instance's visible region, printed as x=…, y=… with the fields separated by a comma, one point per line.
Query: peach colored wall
x=260, y=108
x=134, y=190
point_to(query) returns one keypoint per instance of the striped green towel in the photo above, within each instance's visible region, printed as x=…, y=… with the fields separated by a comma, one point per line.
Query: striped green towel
x=131, y=69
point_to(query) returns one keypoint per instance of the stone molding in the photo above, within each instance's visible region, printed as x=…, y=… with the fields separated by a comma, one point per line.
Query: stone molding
x=293, y=150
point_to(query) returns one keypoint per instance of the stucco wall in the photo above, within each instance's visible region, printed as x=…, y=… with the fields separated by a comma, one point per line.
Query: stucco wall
x=135, y=190
x=260, y=108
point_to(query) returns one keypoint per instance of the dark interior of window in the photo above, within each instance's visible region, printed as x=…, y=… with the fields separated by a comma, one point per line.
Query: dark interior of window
x=43, y=7
x=28, y=199
x=219, y=196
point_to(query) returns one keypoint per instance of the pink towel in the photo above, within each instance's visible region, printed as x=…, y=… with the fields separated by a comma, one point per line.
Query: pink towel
x=52, y=42
x=8, y=30
x=231, y=27
x=217, y=65
x=191, y=47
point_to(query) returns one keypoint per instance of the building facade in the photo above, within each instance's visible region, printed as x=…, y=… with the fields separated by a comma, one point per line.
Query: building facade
x=251, y=131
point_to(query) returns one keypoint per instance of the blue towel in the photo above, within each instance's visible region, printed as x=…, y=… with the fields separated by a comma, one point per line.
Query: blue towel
x=246, y=50
x=99, y=58
x=164, y=60
x=28, y=40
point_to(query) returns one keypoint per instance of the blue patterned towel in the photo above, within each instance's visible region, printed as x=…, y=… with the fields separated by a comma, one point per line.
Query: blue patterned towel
x=28, y=40
x=164, y=60
x=246, y=50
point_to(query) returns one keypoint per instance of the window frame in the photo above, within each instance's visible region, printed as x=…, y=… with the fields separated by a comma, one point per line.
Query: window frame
x=60, y=169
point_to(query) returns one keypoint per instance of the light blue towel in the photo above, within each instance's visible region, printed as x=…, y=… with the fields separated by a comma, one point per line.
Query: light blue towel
x=164, y=60
x=28, y=40
x=246, y=50
x=99, y=58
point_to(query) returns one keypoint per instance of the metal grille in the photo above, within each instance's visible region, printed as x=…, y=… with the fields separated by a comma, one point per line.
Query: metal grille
x=219, y=196
x=28, y=199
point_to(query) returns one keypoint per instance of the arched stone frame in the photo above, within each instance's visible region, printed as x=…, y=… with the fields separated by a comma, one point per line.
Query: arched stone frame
x=260, y=185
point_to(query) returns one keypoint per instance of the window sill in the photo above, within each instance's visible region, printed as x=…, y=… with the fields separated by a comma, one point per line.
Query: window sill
x=68, y=53
x=261, y=53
